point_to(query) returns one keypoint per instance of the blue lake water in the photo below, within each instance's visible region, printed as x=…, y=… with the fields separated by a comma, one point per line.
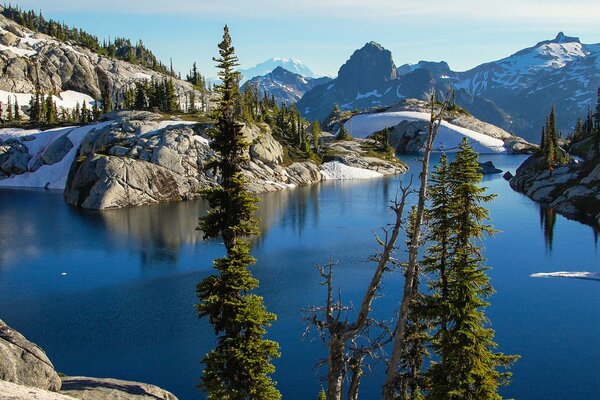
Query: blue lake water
x=124, y=309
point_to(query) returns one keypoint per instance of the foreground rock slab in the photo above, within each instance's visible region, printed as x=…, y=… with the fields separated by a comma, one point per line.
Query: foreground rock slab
x=24, y=363
x=84, y=388
x=12, y=391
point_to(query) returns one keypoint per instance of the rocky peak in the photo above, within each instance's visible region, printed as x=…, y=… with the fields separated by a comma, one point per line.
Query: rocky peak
x=368, y=67
x=562, y=38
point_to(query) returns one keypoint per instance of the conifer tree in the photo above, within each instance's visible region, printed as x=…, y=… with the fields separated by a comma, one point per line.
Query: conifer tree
x=9, y=111
x=49, y=116
x=316, y=133
x=84, y=117
x=239, y=367
x=17, y=110
x=467, y=368
x=1, y=113
x=107, y=104
x=343, y=134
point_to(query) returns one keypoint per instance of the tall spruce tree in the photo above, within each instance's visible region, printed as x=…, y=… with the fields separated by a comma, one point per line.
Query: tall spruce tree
x=467, y=368
x=238, y=368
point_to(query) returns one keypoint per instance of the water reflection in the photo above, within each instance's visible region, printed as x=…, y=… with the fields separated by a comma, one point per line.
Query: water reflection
x=547, y=222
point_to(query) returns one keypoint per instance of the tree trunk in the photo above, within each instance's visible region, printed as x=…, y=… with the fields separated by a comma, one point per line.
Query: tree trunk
x=335, y=374
x=356, y=370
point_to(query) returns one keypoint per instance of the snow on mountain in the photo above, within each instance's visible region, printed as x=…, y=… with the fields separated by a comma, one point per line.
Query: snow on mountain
x=287, y=87
x=448, y=139
x=519, y=70
x=290, y=64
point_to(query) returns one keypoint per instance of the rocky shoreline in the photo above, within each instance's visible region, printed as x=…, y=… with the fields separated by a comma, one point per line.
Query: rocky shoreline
x=134, y=158
x=572, y=190
x=27, y=373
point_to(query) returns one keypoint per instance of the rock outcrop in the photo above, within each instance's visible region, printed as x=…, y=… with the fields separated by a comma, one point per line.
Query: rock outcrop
x=27, y=374
x=65, y=67
x=572, y=190
x=84, y=388
x=13, y=391
x=24, y=363
x=133, y=158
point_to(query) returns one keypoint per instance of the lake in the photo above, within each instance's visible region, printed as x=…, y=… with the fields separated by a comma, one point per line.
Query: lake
x=112, y=294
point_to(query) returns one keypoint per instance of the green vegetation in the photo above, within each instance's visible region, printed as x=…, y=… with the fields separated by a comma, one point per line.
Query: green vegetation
x=466, y=365
x=550, y=144
x=239, y=367
x=119, y=48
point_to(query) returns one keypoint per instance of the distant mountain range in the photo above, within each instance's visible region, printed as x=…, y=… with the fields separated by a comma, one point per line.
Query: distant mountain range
x=269, y=65
x=515, y=93
x=287, y=87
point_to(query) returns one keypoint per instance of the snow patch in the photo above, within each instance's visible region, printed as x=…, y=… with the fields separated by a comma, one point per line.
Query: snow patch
x=568, y=274
x=448, y=139
x=335, y=170
x=67, y=99
x=17, y=51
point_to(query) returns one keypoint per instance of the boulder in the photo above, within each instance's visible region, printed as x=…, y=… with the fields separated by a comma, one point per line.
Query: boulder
x=508, y=175
x=488, y=168
x=263, y=145
x=104, y=182
x=16, y=163
x=24, y=363
x=8, y=39
x=57, y=150
x=84, y=388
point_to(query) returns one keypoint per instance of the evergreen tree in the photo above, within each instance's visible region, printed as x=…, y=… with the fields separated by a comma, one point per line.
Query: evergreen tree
x=141, y=96
x=240, y=364
x=316, y=133
x=17, y=110
x=1, y=113
x=84, y=117
x=49, y=116
x=343, y=134
x=9, y=111
x=107, y=104
x=467, y=368
x=95, y=110
x=192, y=103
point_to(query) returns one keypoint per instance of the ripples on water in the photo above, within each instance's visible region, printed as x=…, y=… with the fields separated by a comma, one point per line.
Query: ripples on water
x=125, y=306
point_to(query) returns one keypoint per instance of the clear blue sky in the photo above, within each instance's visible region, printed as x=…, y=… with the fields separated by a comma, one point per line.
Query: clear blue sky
x=323, y=34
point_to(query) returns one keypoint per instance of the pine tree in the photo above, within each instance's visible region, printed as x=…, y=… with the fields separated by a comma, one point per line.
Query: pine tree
x=95, y=110
x=343, y=134
x=84, y=117
x=240, y=365
x=316, y=133
x=49, y=115
x=467, y=368
x=107, y=104
x=17, y=115
x=9, y=111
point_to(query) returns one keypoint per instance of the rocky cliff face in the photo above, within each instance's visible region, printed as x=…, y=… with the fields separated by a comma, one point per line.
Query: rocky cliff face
x=572, y=190
x=26, y=56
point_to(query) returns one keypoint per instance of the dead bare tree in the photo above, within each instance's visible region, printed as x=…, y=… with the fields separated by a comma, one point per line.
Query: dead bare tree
x=345, y=355
x=412, y=271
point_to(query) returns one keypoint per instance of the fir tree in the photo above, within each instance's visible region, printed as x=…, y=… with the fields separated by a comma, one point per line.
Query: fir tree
x=84, y=117
x=107, y=104
x=240, y=365
x=49, y=116
x=95, y=110
x=17, y=110
x=9, y=111
x=343, y=134
x=467, y=368
x=316, y=133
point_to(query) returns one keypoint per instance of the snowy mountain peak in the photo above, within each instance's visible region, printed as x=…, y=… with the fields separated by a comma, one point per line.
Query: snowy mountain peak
x=265, y=67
